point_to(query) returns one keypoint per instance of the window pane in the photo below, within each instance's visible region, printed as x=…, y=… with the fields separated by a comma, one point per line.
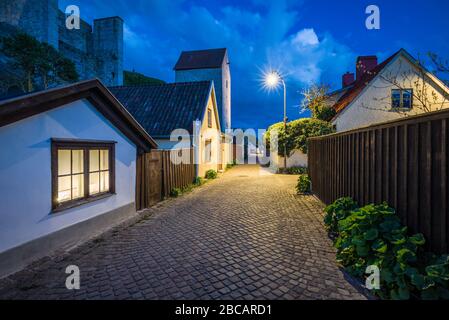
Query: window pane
x=64, y=189
x=94, y=183
x=407, y=99
x=395, y=98
x=104, y=157
x=77, y=186
x=94, y=160
x=63, y=162
x=77, y=161
x=104, y=181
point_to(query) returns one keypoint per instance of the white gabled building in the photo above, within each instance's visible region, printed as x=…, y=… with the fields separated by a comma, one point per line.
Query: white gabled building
x=67, y=169
x=397, y=87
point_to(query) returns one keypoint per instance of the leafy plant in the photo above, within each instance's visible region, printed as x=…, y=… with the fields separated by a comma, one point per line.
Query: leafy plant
x=304, y=184
x=338, y=210
x=175, y=192
x=293, y=170
x=374, y=235
x=211, y=174
x=198, y=181
x=298, y=131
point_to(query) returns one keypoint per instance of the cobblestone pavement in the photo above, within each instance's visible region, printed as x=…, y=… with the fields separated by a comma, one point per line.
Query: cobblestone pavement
x=246, y=235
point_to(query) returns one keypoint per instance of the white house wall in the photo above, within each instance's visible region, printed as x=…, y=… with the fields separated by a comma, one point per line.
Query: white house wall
x=25, y=172
x=366, y=110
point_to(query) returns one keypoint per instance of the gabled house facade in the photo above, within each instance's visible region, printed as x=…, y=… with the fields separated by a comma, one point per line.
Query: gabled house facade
x=209, y=65
x=180, y=116
x=67, y=169
x=397, y=87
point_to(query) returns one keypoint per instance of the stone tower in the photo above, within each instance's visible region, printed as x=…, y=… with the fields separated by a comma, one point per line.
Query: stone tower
x=212, y=64
x=108, y=49
x=96, y=51
x=38, y=18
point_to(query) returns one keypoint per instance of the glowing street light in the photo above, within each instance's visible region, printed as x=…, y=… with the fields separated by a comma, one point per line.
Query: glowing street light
x=272, y=80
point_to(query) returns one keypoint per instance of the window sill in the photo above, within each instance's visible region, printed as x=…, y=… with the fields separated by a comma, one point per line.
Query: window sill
x=80, y=202
x=400, y=109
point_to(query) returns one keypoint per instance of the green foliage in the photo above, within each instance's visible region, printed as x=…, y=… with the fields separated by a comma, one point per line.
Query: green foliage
x=293, y=170
x=132, y=78
x=374, y=235
x=298, y=131
x=338, y=210
x=175, y=192
x=211, y=174
x=198, y=181
x=315, y=100
x=304, y=184
x=38, y=59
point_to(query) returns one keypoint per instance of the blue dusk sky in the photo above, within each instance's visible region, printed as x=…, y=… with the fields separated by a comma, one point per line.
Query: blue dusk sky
x=308, y=41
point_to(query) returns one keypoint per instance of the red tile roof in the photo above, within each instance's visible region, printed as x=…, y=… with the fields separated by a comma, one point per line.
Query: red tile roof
x=359, y=85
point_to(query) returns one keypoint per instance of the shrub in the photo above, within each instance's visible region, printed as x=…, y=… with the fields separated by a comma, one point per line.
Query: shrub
x=304, y=184
x=211, y=174
x=293, y=170
x=175, y=192
x=198, y=181
x=339, y=210
x=374, y=235
x=298, y=131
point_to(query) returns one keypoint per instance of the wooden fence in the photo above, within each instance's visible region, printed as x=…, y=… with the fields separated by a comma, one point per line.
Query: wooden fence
x=158, y=174
x=403, y=162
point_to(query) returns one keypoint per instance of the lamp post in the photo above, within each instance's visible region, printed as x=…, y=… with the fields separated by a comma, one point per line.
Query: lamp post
x=272, y=80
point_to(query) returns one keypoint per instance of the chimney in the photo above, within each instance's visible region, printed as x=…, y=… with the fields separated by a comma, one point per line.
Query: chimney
x=365, y=64
x=347, y=79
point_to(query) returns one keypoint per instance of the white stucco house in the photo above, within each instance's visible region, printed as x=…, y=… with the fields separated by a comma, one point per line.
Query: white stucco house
x=397, y=87
x=67, y=169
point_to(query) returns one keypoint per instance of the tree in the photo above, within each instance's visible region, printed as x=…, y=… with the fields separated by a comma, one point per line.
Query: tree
x=132, y=78
x=315, y=100
x=24, y=50
x=38, y=60
x=298, y=131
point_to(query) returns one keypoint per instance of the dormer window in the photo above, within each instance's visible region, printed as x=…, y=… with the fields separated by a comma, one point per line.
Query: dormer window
x=401, y=98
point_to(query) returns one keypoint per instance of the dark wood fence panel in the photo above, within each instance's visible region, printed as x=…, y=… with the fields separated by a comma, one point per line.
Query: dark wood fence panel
x=159, y=172
x=403, y=162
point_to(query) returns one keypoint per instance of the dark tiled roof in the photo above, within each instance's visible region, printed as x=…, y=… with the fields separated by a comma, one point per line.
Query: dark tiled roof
x=201, y=59
x=358, y=86
x=160, y=109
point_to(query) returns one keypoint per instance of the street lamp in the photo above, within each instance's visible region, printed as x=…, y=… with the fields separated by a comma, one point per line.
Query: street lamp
x=272, y=80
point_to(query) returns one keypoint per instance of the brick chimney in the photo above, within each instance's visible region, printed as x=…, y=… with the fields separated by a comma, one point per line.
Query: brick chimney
x=347, y=79
x=365, y=64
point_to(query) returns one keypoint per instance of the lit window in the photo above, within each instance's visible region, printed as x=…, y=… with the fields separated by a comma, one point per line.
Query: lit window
x=402, y=98
x=82, y=171
x=208, y=151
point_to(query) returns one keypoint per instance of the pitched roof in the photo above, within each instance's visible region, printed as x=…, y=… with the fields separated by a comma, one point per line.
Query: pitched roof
x=358, y=86
x=201, y=59
x=18, y=108
x=163, y=108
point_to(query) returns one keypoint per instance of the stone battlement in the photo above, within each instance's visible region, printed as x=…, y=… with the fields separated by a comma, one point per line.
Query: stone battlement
x=97, y=50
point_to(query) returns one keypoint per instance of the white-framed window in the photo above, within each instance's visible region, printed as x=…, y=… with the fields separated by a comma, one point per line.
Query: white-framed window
x=401, y=98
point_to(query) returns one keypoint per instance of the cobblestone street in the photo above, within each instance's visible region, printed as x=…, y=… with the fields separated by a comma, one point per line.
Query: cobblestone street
x=246, y=235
